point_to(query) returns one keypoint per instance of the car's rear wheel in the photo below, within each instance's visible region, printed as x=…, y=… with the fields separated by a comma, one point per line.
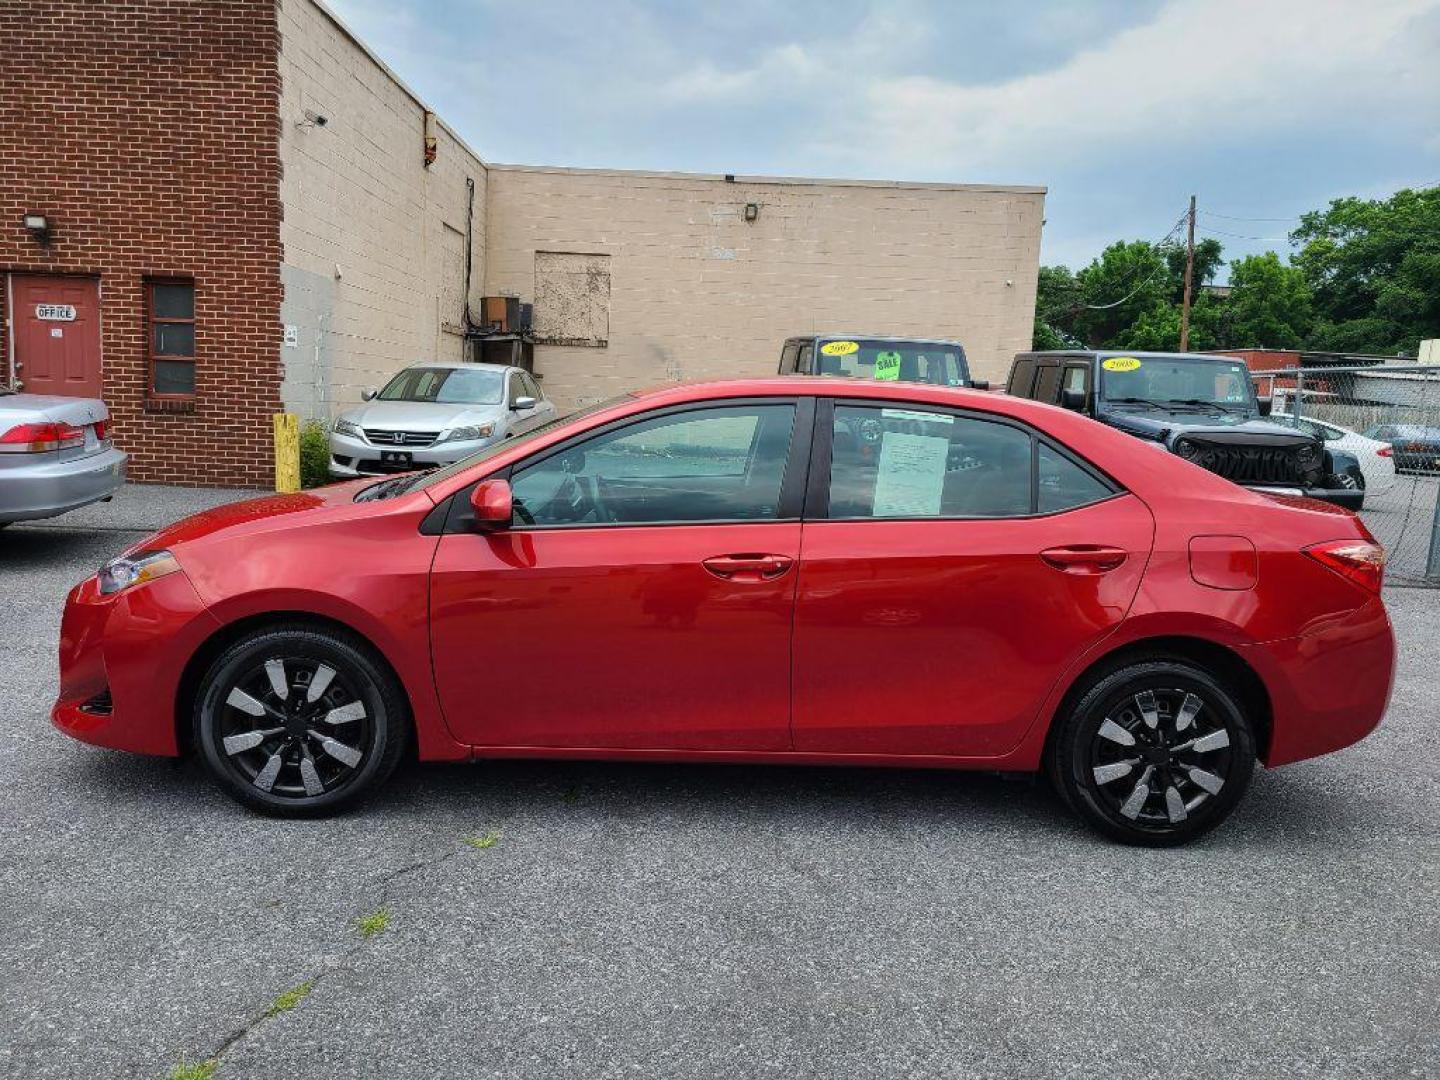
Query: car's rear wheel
x=299, y=721
x=1155, y=753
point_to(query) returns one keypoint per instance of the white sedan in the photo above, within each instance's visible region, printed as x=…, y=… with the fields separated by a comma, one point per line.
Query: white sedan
x=1376, y=458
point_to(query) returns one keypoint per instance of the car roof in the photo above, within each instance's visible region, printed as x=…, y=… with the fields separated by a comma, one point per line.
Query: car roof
x=877, y=337
x=459, y=364
x=1101, y=354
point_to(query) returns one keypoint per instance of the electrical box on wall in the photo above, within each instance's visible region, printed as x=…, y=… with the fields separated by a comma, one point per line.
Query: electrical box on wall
x=500, y=314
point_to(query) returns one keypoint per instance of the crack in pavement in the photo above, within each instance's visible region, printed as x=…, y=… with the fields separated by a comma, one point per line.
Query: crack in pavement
x=342, y=963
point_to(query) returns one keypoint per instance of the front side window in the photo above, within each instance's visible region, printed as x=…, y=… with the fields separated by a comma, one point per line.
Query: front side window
x=445, y=386
x=716, y=464
x=915, y=463
x=172, y=338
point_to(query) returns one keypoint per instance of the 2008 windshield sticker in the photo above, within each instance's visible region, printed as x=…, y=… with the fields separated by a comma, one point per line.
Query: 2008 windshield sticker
x=840, y=348
x=887, y=366
x=1120, y=363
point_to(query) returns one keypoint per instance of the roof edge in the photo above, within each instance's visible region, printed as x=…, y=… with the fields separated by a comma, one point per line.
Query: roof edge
x=794, y=181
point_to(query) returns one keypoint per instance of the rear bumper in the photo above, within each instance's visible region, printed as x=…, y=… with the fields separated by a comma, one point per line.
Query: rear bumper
x=1328, y=688
x=121, y=661
x=42, y=490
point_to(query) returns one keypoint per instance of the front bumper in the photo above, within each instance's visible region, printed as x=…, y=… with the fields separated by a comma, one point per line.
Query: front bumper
x=351, y=457
x=121, y=660
x=1348, y=498
x=44, y=489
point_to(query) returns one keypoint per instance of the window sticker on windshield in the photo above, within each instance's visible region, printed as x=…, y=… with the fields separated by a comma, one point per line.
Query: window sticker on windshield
x=887, y=366
x=839, y=348
x=921, y=417
x=911, y=475
x=1120, y=363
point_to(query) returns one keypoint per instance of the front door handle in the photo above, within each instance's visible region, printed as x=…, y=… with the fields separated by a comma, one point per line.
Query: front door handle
x=747, y=567
x=1085, y=558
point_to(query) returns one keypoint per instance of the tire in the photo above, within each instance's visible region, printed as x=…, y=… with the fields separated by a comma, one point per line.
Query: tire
x=322, y=745
x=1205, y=755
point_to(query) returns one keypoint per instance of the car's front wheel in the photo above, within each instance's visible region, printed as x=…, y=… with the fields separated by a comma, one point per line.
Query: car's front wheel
x=1155, y=753
x=299, y=721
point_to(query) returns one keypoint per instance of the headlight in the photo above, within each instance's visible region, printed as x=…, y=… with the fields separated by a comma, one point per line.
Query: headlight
x=1187, y=450
x=347, y=427
x=467, y=434
x=128, y=570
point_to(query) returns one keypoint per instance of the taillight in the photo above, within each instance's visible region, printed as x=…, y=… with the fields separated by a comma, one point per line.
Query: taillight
x=1385, y=451
x=38, y=438
x=102, y=430
x=1358, y=560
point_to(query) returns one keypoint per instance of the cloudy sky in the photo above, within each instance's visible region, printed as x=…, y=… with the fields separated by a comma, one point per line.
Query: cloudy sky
x=1122, y=108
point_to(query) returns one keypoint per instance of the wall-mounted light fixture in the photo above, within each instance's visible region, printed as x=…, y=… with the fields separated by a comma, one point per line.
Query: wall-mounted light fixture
x=39, y=226
x=752, y=211
x=312, y=119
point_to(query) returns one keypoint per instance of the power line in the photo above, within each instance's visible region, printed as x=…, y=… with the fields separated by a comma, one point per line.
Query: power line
x=1245, y=236
x=1237, y=217
x=1162, y=265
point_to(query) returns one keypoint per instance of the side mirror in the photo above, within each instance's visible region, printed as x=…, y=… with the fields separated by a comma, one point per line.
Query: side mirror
x=979, y=384
x=520, y=404
x=493, y=505
x=1265, y=404
x=1073, y=400
x=369, y=394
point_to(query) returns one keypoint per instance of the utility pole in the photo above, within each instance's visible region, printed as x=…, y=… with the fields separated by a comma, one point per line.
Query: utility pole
x=1189, y=278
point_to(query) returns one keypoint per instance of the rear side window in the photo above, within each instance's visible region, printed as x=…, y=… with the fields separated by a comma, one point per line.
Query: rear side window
x=715, y=464
x=1047, y=384
x=1021, y=377
x=913, y=463
x=918, y=463
x=1064, y=485
x=788, y=355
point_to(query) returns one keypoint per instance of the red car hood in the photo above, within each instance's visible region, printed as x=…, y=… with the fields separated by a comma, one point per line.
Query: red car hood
x=252, y=512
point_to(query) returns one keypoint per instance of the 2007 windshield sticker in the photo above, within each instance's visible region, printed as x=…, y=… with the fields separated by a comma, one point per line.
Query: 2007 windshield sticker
x=1120, y=363
x=840, y=348
x=887, y=366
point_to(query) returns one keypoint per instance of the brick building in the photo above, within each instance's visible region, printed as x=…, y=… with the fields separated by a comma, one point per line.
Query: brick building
x=213, y=210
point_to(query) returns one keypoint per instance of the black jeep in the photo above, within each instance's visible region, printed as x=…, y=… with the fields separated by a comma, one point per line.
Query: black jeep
x=1203, y=408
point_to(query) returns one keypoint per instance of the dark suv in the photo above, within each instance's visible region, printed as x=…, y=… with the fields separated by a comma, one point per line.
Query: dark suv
x=1203, y=408
x=866, y=356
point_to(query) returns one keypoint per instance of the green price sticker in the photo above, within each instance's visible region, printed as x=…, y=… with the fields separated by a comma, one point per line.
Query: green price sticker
x=887, y=366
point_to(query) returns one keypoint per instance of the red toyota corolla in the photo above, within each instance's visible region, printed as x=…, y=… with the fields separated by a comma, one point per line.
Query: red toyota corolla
x=788, y=570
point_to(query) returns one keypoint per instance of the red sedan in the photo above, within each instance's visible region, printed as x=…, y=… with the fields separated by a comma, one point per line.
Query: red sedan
x=786, y=570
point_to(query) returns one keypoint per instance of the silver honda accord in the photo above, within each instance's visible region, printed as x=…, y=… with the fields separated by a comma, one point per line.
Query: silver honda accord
x=434, y=413
x=55, y=455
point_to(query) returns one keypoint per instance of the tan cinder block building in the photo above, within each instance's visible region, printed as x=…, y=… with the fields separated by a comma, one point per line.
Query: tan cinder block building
x=271, y=219
x=681, y=285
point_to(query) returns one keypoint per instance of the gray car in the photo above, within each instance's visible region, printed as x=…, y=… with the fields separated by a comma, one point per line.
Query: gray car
x=434, y=413
x=55, y=455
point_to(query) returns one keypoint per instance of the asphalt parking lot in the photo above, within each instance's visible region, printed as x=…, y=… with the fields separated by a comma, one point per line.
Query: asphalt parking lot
x=679, y=921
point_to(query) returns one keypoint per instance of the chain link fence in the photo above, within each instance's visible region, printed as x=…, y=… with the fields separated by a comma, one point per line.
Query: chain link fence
x=1386, y=416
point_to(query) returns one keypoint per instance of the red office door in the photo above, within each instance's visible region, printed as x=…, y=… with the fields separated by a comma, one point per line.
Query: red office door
x=57, y=334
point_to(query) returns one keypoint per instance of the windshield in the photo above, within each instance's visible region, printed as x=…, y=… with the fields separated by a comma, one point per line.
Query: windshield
x=446, y=386
x=1171, y=380
x=941, y=363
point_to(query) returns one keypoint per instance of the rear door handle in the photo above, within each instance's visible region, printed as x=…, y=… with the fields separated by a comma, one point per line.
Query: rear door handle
x=747, y=567
x=1085, y=558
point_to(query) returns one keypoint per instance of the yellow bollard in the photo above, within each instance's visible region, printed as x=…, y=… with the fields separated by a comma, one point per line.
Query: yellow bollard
x=287, y=452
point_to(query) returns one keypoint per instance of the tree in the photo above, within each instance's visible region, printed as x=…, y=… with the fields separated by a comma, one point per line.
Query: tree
x=1057, y=299
x=1209, y=257
x=1270, y=304
x=1129, y=279
x=1373, y=266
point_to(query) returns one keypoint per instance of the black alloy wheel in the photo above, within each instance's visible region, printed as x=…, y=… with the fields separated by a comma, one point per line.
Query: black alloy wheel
x=299, y=721
x=1156, y=753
